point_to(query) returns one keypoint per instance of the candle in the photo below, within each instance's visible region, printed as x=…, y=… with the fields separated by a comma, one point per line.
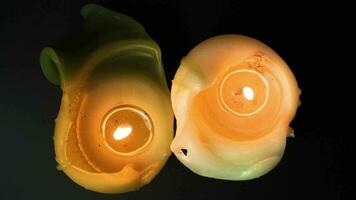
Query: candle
x=115, y=124
x=233, y=98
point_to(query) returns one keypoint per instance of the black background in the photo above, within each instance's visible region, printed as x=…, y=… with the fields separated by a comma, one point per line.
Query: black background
x=307, y=36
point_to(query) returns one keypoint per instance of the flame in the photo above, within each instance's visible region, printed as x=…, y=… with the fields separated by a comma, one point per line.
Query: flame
x=122, y=132
x=248, y=93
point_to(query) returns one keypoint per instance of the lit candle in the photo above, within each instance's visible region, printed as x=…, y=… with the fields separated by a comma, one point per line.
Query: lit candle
x=233, y=98
x=115, y=124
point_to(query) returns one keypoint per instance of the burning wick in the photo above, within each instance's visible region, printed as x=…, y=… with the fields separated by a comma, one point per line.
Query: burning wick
x=122, y=132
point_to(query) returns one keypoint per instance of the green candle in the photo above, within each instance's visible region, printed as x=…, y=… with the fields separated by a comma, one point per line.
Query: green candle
x=115, y=123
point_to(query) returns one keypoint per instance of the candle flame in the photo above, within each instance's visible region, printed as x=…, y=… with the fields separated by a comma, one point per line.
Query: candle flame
x=122, y=132
x=248, y=93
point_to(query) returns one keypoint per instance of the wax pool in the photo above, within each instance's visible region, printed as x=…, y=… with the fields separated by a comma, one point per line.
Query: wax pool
x=127, y=129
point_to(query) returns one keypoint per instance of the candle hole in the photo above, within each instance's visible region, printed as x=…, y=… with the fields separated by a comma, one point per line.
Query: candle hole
x=184, y=151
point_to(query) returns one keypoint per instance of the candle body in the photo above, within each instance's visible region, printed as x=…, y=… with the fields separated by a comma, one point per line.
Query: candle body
x=233, y=98
x=110, y=63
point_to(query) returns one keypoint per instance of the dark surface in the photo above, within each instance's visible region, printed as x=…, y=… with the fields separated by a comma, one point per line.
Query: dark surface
x=316, y=163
